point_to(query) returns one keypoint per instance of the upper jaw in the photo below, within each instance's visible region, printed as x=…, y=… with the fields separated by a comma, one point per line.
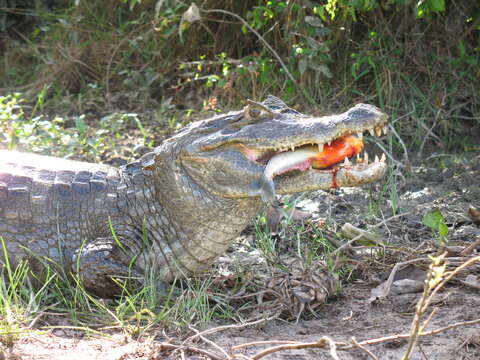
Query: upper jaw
x=290, y=132
x=277, y=131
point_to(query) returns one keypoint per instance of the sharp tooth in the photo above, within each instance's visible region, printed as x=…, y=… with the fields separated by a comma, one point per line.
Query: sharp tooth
x=383, y=157
x=376, y=158
x=365, y=158
x=346, y=161
x=378, y=131
x=360, y=135
x=359, y=159
x=329, y=143
x=292, y=148
x=320, y=148
x=385, y=130
x=372, y=133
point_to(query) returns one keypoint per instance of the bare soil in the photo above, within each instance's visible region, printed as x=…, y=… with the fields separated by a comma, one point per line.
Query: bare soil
x=450, y=185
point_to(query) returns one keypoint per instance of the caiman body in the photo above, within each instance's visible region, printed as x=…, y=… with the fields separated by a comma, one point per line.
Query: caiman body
x=176, y=209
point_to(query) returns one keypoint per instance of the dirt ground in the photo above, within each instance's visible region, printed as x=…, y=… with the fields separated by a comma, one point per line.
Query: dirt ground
x=447, y=183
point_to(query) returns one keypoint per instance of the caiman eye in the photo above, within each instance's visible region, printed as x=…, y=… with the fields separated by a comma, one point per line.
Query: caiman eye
x=253, y=112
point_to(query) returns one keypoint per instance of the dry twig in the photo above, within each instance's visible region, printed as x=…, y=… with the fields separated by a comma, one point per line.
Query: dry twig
x=210, y=342
x=196, y=350
x=266, y=342
x=227, y=327
x=383, y=222
x=470, y=248
x=384, y=289
x=323, y=342
x=369, y=353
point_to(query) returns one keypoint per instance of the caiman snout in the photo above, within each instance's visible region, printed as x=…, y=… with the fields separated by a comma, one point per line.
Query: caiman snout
x=340, y=153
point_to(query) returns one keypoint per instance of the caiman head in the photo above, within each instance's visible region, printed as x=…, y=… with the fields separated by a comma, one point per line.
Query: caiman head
x=228, y=154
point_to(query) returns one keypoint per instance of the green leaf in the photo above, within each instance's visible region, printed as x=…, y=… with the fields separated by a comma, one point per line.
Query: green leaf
x=443, y=230
x=435, y=221
x=321, y=11
x=437, y=5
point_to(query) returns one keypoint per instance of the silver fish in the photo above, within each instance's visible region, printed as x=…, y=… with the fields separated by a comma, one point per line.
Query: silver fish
x=280, y=164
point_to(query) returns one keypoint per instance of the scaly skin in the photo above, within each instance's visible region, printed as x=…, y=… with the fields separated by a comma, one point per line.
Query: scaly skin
x=176, y=209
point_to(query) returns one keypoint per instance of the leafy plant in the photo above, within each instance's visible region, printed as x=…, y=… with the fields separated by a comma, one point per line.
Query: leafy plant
x=425, y=8
x=435, y=221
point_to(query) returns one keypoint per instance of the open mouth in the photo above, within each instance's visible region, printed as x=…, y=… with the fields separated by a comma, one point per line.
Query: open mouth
x=347, y=150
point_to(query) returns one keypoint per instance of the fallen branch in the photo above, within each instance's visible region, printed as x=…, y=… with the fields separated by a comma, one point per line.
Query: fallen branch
x=369, y=353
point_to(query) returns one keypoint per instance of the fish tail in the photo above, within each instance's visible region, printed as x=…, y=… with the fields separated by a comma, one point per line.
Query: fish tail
x=264, y=187
x=267, y=187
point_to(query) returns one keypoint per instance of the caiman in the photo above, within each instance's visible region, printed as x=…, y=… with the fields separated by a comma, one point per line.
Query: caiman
x=176, y=209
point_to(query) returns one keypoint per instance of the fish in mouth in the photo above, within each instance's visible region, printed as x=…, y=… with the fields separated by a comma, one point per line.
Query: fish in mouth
x=329, y=157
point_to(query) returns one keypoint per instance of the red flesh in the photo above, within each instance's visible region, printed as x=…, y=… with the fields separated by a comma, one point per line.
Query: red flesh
x=336, y=152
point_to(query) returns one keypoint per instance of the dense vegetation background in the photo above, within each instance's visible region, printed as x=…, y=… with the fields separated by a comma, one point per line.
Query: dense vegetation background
x=169, y=59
